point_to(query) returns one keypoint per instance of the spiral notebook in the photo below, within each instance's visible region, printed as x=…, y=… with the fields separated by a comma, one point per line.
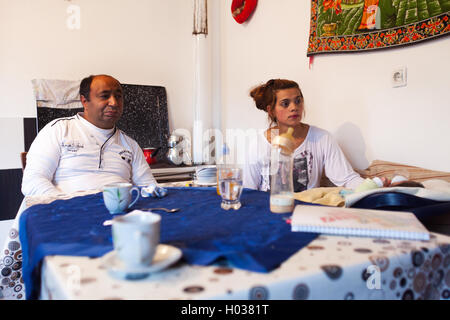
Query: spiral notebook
x=358, y=222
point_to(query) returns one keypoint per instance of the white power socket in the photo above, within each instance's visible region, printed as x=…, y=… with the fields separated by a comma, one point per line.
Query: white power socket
x=398, y=77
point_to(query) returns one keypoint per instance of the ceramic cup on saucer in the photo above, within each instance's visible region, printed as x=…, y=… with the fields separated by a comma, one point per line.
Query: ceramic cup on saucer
x=135, y=238
x=117, y=196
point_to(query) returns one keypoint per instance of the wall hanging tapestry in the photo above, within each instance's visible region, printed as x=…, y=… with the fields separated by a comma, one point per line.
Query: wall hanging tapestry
x=361, y=25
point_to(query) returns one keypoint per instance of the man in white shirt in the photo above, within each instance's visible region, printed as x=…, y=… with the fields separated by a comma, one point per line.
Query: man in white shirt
x=87, y=151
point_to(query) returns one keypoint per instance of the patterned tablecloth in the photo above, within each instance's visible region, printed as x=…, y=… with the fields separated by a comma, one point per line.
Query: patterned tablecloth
x=330, y=267
x=11, y=281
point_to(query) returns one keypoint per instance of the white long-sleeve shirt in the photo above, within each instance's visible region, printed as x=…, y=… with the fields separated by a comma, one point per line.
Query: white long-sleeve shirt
x=71, y=154
x=318, y=154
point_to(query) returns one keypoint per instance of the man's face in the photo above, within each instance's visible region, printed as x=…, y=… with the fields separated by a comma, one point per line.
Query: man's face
x=105, y=105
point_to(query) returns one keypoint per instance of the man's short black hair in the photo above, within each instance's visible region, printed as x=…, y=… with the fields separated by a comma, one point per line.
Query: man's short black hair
x=85, y=87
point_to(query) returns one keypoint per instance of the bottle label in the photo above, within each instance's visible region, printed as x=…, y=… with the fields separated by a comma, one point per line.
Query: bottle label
x=281, y=200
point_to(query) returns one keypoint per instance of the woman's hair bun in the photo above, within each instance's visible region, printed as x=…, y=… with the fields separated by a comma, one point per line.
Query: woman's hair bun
x=259, y=96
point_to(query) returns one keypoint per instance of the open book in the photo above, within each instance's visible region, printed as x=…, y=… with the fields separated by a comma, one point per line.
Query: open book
x=358, y=222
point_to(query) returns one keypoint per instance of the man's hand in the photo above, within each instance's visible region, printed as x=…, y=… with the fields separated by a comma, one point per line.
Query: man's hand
x=153, y=191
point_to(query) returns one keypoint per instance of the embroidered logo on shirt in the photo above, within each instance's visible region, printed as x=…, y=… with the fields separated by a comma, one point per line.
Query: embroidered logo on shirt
x=71, y=146
x=126, y=155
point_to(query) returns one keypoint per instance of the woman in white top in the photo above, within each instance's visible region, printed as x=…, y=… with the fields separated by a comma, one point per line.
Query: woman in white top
x=316, y=153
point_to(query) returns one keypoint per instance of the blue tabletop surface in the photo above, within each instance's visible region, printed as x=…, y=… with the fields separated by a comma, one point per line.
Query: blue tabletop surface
x=250, y=238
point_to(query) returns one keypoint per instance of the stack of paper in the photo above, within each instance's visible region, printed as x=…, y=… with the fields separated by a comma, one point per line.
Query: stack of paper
x=358, y=222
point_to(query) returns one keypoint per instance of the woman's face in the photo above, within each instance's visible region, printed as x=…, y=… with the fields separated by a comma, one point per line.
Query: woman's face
x=289, y=107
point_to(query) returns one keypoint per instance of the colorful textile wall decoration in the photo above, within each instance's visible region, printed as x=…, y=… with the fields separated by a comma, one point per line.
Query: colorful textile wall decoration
x=360, y=25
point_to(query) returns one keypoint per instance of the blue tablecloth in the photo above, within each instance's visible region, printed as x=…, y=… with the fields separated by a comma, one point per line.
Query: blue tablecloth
x=250, y=238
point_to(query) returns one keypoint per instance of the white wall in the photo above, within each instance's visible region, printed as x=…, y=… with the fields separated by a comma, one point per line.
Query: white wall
x=139, y=42
x=150, y=42
x=11, y=142
x=347, y=94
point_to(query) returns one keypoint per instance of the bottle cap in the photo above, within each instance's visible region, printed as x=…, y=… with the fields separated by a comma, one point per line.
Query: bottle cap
x=285, y=141
x=225, y=149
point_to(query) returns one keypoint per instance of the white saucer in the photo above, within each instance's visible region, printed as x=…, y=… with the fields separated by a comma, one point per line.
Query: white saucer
x=205, y=184
x=165, y=256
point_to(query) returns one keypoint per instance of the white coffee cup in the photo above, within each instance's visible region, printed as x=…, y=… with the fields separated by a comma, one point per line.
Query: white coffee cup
x=135, y=238
x=117, y=196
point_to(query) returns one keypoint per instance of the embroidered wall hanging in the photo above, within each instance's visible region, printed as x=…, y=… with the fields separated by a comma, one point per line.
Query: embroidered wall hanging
x=360, y=25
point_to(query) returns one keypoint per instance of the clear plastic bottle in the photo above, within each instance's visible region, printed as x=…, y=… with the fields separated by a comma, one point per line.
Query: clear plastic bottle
x=281, y=164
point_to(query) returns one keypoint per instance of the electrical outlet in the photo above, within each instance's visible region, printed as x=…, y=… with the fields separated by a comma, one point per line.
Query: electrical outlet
x=398, y=77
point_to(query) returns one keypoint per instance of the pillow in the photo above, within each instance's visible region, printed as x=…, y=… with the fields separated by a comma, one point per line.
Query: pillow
x=380, y=168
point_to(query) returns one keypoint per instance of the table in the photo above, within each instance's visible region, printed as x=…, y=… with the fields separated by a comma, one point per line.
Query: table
x=329, y=267
x=251, y=238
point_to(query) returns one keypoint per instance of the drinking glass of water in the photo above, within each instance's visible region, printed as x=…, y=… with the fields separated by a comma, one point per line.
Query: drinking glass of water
x=230, y=186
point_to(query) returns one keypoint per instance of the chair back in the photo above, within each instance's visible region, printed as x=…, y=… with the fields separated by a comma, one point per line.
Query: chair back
x=23, y=158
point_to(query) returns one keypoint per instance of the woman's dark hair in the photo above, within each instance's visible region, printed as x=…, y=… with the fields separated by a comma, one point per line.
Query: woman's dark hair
x=266, y=94
x=85, y=87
